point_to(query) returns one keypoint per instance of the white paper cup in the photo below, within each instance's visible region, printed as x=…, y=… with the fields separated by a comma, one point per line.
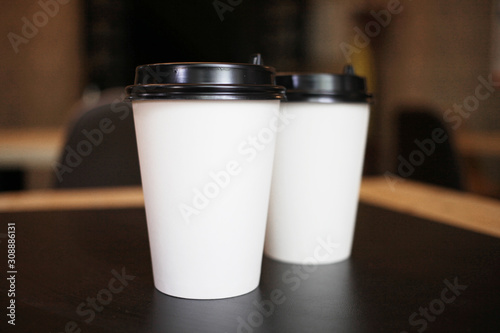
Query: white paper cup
x=317, y=173
x=206, y=171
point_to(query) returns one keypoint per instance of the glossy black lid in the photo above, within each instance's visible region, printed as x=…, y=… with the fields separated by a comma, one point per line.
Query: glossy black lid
x=324, y=87
x=195, y=80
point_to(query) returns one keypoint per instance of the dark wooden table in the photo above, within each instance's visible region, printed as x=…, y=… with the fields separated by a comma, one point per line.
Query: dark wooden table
x=90, y=271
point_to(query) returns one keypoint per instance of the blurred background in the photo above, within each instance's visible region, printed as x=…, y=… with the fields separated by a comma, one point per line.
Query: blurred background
x=435, y=59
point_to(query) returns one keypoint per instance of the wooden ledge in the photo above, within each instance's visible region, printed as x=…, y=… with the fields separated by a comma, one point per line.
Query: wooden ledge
x=30, y=148
x=92, y=198
x=478, y=143
x=458, y=209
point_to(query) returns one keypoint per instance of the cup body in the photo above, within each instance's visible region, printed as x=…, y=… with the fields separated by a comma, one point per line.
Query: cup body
x=316, y=179
x=206, y=174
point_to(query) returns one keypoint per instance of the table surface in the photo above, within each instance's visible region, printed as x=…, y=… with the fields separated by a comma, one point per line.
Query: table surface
x=90, y=271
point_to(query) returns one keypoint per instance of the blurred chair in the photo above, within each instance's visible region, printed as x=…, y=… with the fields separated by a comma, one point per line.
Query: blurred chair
x=100, y=149
x=441, y=166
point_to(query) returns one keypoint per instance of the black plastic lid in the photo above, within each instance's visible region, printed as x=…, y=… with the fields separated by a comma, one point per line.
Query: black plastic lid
x=323, y=87
x=220, y=81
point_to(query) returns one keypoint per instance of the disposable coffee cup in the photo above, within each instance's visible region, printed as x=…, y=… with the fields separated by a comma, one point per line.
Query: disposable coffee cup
x=206, y=172
x=317, y=168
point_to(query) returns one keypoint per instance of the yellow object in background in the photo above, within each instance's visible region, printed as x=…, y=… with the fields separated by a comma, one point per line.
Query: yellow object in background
x=364, y=65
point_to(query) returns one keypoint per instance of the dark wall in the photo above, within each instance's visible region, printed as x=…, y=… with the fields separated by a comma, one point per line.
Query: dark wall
x=127, y=33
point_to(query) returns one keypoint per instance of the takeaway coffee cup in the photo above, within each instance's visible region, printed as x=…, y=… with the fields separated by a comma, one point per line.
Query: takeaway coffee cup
x=206, y=172
x=317, y=168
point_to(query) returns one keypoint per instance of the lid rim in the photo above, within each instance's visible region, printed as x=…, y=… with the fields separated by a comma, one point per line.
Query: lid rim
x=327, y=93
x=205, y=80
x=324, y=87
x=208, y=64
x=206, y=97
x=328, y=98
x=204, y=91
